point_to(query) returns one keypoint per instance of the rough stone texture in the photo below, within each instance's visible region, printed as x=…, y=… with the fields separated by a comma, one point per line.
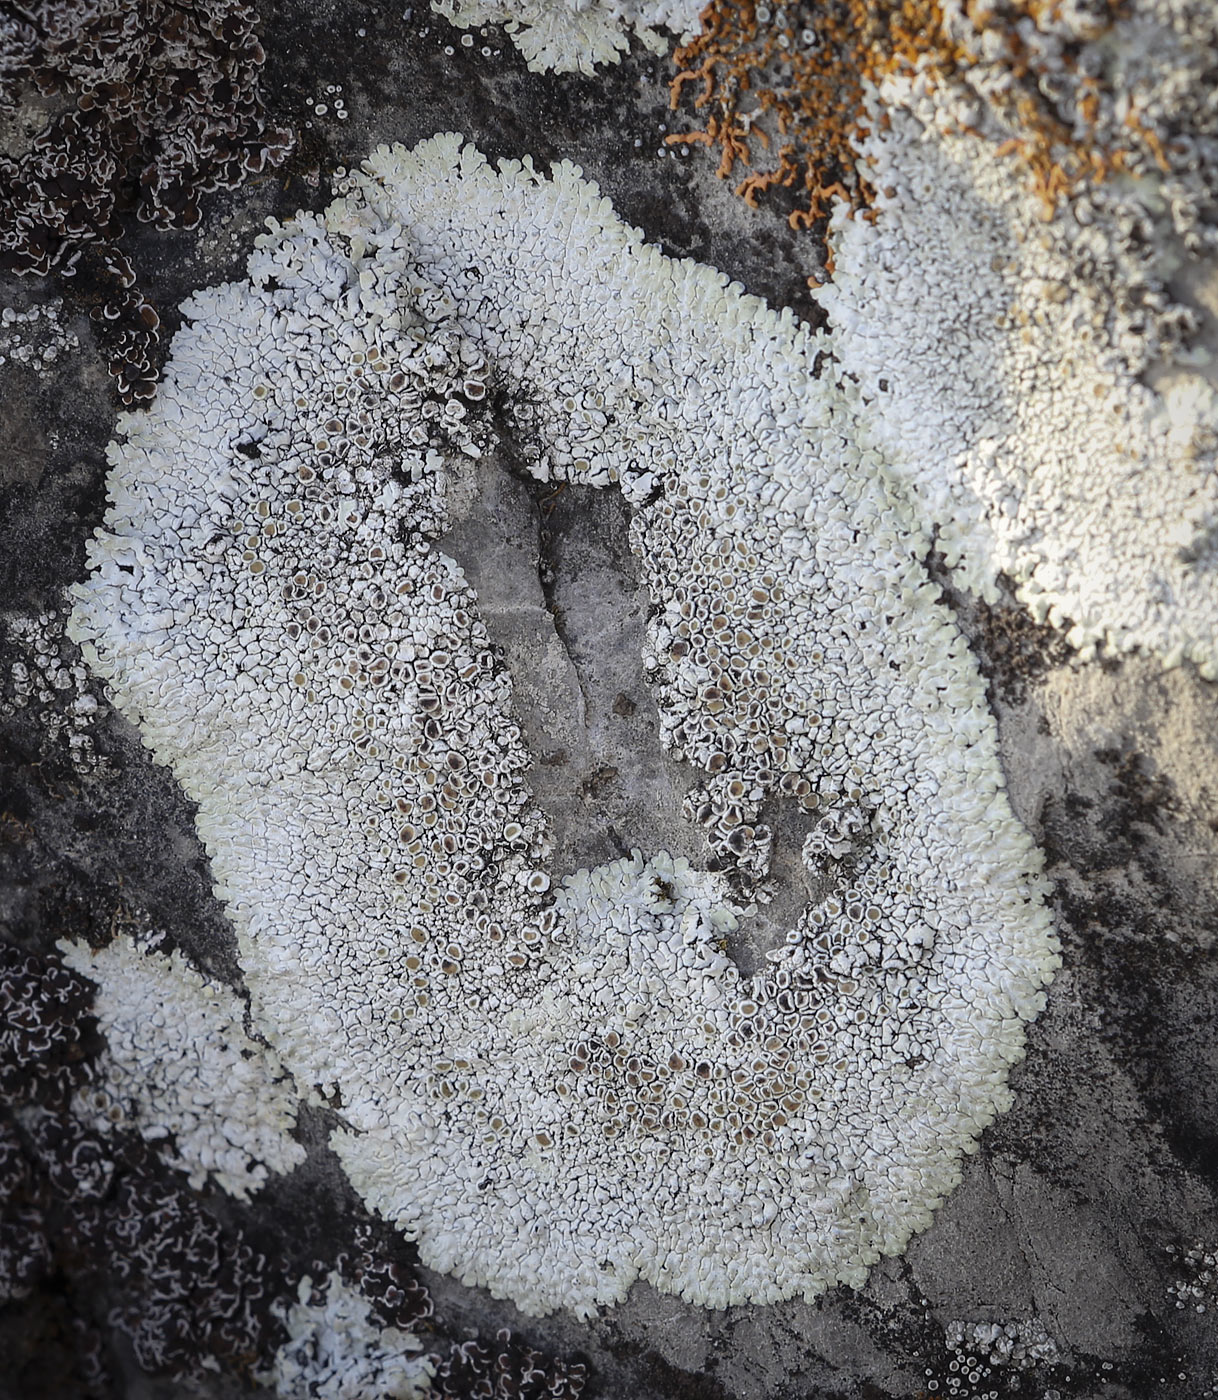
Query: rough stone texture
x=1085, y=1200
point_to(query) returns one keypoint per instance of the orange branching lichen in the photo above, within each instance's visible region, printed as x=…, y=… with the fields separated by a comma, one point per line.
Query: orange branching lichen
x=793, y=77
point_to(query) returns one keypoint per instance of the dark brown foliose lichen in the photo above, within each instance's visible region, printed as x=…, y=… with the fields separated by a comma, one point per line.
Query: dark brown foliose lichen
x=398, y=1299
x=189, y=1291
x=505, y=1370
x=110, y=108
x=102, y=1218
x=43, y=1006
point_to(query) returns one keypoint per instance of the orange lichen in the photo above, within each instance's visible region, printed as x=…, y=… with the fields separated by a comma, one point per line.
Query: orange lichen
x=791, y=79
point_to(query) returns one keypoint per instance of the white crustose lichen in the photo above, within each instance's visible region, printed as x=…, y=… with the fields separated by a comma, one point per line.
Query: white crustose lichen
x=1023, y=362
x=268, y=600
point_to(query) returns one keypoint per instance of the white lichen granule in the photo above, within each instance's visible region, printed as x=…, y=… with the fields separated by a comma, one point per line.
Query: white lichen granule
x=516, y=1053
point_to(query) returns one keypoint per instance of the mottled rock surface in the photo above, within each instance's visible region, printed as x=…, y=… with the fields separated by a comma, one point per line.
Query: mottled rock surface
x=1076, y=1259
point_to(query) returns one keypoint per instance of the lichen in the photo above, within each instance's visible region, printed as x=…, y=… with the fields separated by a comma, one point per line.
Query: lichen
x=1010, y=378
x=179, y=1066
x=505, y=1369
x=1065, y=95
x=268, y=600
x=568, y=36
x=41, y=1030
x=47, y=683
x=90, y=1213
x=87, y=1210
x=134, y=108
x=337, y=1350
x=1008, y=193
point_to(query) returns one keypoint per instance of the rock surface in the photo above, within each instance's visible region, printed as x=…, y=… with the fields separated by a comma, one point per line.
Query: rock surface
x=1076, y=1258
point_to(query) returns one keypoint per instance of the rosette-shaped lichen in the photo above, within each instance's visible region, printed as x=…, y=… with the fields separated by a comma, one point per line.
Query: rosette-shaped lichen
x=271, y=600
